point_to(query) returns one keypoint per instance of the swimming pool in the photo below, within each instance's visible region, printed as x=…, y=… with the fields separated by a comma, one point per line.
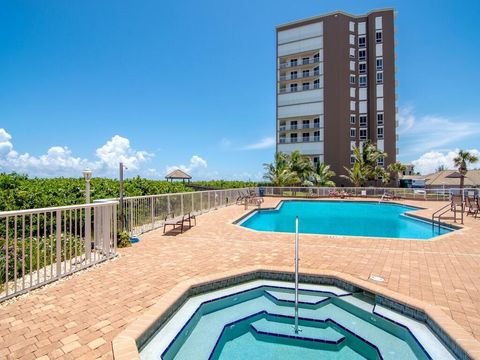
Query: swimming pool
x=348, y=218
x=255, y=321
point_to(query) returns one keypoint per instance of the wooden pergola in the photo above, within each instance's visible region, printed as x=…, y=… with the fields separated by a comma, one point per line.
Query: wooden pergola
x=178, y=174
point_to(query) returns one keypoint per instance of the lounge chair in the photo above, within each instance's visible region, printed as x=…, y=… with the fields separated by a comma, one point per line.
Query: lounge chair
x=473, y=206
x=180, y=221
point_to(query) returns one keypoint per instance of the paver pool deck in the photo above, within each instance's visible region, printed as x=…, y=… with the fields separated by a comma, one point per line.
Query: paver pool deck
x=78, y=317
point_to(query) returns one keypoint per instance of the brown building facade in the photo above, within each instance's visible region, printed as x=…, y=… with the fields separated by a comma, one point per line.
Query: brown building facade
x=336, y=87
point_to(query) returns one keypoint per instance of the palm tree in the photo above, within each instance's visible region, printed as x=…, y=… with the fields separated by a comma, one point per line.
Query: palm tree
x=395, y=169
x=322, y=175
x=356, y=175
x=302, y=166
x=365, y=167
x=461, y=162
x=279, y=173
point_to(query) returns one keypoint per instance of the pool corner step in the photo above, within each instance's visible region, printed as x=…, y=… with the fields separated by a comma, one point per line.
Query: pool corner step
x=289, y=297
x=283, y=329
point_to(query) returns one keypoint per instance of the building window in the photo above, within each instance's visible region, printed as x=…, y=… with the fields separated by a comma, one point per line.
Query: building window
x=305, y=60
x=293, y=124
x=352, y=53
x=379, y=64
x=363, y=134
x=306, y=86
x=316, y=84
x=306, y=73
x=352, y=79
x=353, y=132
x=316, y=123
x=316, y=58
x=352, y=119
x=316, y=136
x=293, y=138
x=362, y=54
x=293, y=87
x=380, y=133
x=380, y=77
x=282, y=139
x=362, y=41
x=293, y=75
x=352, y=159
x=378, y=36
x=306, y=137
x=363, y=120
x=380, y=162
x=306, y=124
x=380, y=119
x=362, y=68
x=362, y=80
x=316, y=71
x=293, y=62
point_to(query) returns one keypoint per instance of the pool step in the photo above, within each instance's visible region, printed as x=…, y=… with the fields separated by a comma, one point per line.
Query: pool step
x=303, y=298
x=282, y=329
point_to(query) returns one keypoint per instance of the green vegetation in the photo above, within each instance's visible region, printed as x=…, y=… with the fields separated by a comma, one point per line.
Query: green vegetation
x=225, y=184
x=461, y=162
x=123, y=240
x=37, y=253
x=21, y=192
x=297, y=170
x=366, y=168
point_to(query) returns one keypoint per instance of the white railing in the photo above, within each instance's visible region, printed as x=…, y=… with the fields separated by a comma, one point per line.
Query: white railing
x=43, y=245
x=367, y=192
x=291, y=64
x=145, y=213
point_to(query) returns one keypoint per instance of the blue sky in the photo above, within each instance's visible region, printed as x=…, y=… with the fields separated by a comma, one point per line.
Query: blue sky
x=189, y=83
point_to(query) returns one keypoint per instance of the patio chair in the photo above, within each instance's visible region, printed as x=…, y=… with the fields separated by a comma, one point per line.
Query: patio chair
x=473, y=206
x=179, y=222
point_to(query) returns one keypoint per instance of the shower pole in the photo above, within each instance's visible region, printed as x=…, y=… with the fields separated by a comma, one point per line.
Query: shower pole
x=296, y=275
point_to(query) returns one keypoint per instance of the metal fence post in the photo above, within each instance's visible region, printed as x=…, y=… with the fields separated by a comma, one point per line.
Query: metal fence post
x=152, y=212
x=58, y=247
x=88, y=233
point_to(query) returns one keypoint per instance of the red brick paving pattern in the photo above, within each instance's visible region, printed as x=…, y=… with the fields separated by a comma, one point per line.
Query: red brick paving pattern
x=78, y=317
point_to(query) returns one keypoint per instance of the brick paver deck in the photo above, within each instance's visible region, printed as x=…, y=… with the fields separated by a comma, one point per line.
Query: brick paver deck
x=78, y=317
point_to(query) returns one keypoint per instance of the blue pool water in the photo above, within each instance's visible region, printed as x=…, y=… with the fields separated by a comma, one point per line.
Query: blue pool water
x=257, y=324
x=370, y=219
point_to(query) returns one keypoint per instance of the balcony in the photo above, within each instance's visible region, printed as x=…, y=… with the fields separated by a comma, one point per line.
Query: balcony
x=288, y=64
x=299, y=88
x=309, y=139
x=300, y=76
x=299, y=127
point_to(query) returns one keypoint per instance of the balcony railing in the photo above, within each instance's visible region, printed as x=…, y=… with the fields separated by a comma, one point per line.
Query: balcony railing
x=299, y=127
x=289, y=64
x=300, y=76
x=299, y=140
x=299, y=88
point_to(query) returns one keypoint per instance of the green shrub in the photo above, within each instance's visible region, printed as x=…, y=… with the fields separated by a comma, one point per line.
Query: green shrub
x=123, y=240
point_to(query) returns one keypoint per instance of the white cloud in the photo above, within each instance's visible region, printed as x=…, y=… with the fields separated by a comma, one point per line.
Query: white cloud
x=5, y=144
x=195, y=166
x=59, y=160
x=420, y=134
x=432, y=160
x=264, y=143
x=118, y=150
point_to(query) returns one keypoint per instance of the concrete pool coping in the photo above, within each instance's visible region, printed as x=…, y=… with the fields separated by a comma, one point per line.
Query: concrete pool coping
x=238, y=222
x=126, y=345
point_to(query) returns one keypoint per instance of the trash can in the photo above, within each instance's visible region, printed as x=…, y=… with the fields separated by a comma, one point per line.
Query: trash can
x=261, y=192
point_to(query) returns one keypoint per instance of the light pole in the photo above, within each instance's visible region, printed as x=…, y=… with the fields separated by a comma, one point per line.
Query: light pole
x=87, y=175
